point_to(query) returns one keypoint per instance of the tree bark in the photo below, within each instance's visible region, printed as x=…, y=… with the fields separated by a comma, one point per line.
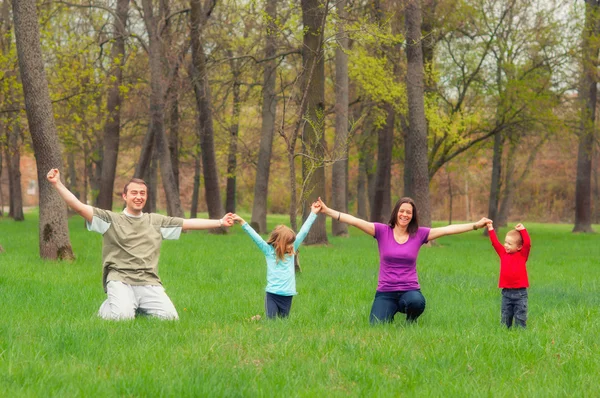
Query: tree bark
x=380, y=206
x=230, y=198
x=205, y=121
x=313, y=135
x=588, y=93
x=54, y=240
x=495, y=184
x=112, y=126
x=13, y=161
x=339, y=172
x=157, y=110
x=196, y=189
x=417, y=183
x=269, y=109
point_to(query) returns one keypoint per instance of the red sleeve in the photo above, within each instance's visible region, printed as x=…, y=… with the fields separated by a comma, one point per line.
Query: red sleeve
x=526, y=243
x=495, y=243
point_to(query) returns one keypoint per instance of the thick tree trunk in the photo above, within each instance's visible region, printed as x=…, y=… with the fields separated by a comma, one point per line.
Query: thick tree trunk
x=230, y=199
x=112, y=126
x=495, y=184
x=339, y=172
x=417, y=185
x=157, y=111
x=269, y=108
x=313, y=136
x=588, y=92
x=380, y=206
x=54, y=240
x=205, y=121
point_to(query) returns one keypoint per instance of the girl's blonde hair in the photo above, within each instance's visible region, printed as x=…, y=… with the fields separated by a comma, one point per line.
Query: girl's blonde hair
x=282, y=239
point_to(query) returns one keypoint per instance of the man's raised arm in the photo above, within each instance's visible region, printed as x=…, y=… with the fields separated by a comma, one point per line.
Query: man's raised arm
x=71, y=200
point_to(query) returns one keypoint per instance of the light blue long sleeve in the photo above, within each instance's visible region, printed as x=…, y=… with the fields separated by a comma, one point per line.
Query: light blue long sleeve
x=281, y=277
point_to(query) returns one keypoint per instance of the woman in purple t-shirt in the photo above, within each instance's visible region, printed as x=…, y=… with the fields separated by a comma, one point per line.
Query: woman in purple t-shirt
x=399, y=242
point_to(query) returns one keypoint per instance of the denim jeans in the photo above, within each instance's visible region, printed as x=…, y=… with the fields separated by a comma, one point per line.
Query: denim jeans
x=277, y=305
x=514, y=305
x=387, y=304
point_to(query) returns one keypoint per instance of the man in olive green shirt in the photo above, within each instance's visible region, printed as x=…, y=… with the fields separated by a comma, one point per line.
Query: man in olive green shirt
x=131, y=249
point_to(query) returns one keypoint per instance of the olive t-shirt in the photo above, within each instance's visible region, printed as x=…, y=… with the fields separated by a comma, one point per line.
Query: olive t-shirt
x=131, y=245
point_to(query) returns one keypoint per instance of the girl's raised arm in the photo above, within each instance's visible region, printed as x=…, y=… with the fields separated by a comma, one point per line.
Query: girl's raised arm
x=365, y=226
x=260, y=242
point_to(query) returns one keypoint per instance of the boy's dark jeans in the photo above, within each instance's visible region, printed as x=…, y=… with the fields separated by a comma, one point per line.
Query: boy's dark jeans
x=514, y=305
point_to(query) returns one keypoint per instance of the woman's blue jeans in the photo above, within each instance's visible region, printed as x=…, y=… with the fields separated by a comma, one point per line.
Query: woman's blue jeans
x=387, y=304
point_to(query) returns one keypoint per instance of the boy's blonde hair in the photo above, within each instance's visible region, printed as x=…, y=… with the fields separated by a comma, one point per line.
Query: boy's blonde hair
x=516, y=235
x=282, y=239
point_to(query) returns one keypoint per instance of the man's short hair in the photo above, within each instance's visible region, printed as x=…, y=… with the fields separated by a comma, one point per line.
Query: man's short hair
x=136, y=181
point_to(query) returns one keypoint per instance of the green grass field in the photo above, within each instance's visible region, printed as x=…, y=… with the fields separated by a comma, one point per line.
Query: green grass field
x=52, y=343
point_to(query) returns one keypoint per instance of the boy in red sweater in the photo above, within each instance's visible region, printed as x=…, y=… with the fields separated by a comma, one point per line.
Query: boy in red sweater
x=513, y=273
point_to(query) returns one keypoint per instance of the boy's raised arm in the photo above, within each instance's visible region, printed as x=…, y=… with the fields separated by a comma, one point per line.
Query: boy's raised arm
x=494, y=238
x=85, y=211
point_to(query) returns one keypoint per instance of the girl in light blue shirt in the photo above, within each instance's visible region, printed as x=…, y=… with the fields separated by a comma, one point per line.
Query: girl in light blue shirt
x=280, y=250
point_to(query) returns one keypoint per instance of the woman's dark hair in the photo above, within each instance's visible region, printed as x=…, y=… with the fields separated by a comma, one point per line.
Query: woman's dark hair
x=413, y=225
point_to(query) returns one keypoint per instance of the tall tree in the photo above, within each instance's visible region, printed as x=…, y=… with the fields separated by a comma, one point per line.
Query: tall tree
x=112, y=126
x=154, y=25
x=268, y=111
x=339, y=172
x=198, y=17
x=54, y=240
x=587, y=95
x=416, y=173
x=12, y=122
x=381, y=196
x=314, y=14
x=234, y=128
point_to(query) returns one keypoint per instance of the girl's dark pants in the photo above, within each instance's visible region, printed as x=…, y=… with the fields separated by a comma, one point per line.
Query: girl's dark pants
x=387, y=304
x=277, y=306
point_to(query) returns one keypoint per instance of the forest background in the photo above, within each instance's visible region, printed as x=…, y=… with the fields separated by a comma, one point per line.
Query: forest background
x=260, y=106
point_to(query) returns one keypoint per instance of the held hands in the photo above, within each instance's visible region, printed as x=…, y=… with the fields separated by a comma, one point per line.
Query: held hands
x=322, y=206
x=53, y=176
x=237, y=219
x=482, y=223
x=227, y=220
x=519, y=227
x=315, y=207
x=490, y=225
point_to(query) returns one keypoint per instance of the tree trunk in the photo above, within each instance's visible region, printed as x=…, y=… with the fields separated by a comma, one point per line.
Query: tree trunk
x=339, y=172
x=173, y=137
x=417, y=185
x=380, y=206
x=362, y=190
x=495, y=184
x=196, y=189
x=313, y=135
x=205, y=121
x=112, y=126
x=151, y=179
x=54, y=240
x=157, y=111
x=509, y=185
x=269, y=108
x=13, y=161
x=588, y=92
x=230, y=199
